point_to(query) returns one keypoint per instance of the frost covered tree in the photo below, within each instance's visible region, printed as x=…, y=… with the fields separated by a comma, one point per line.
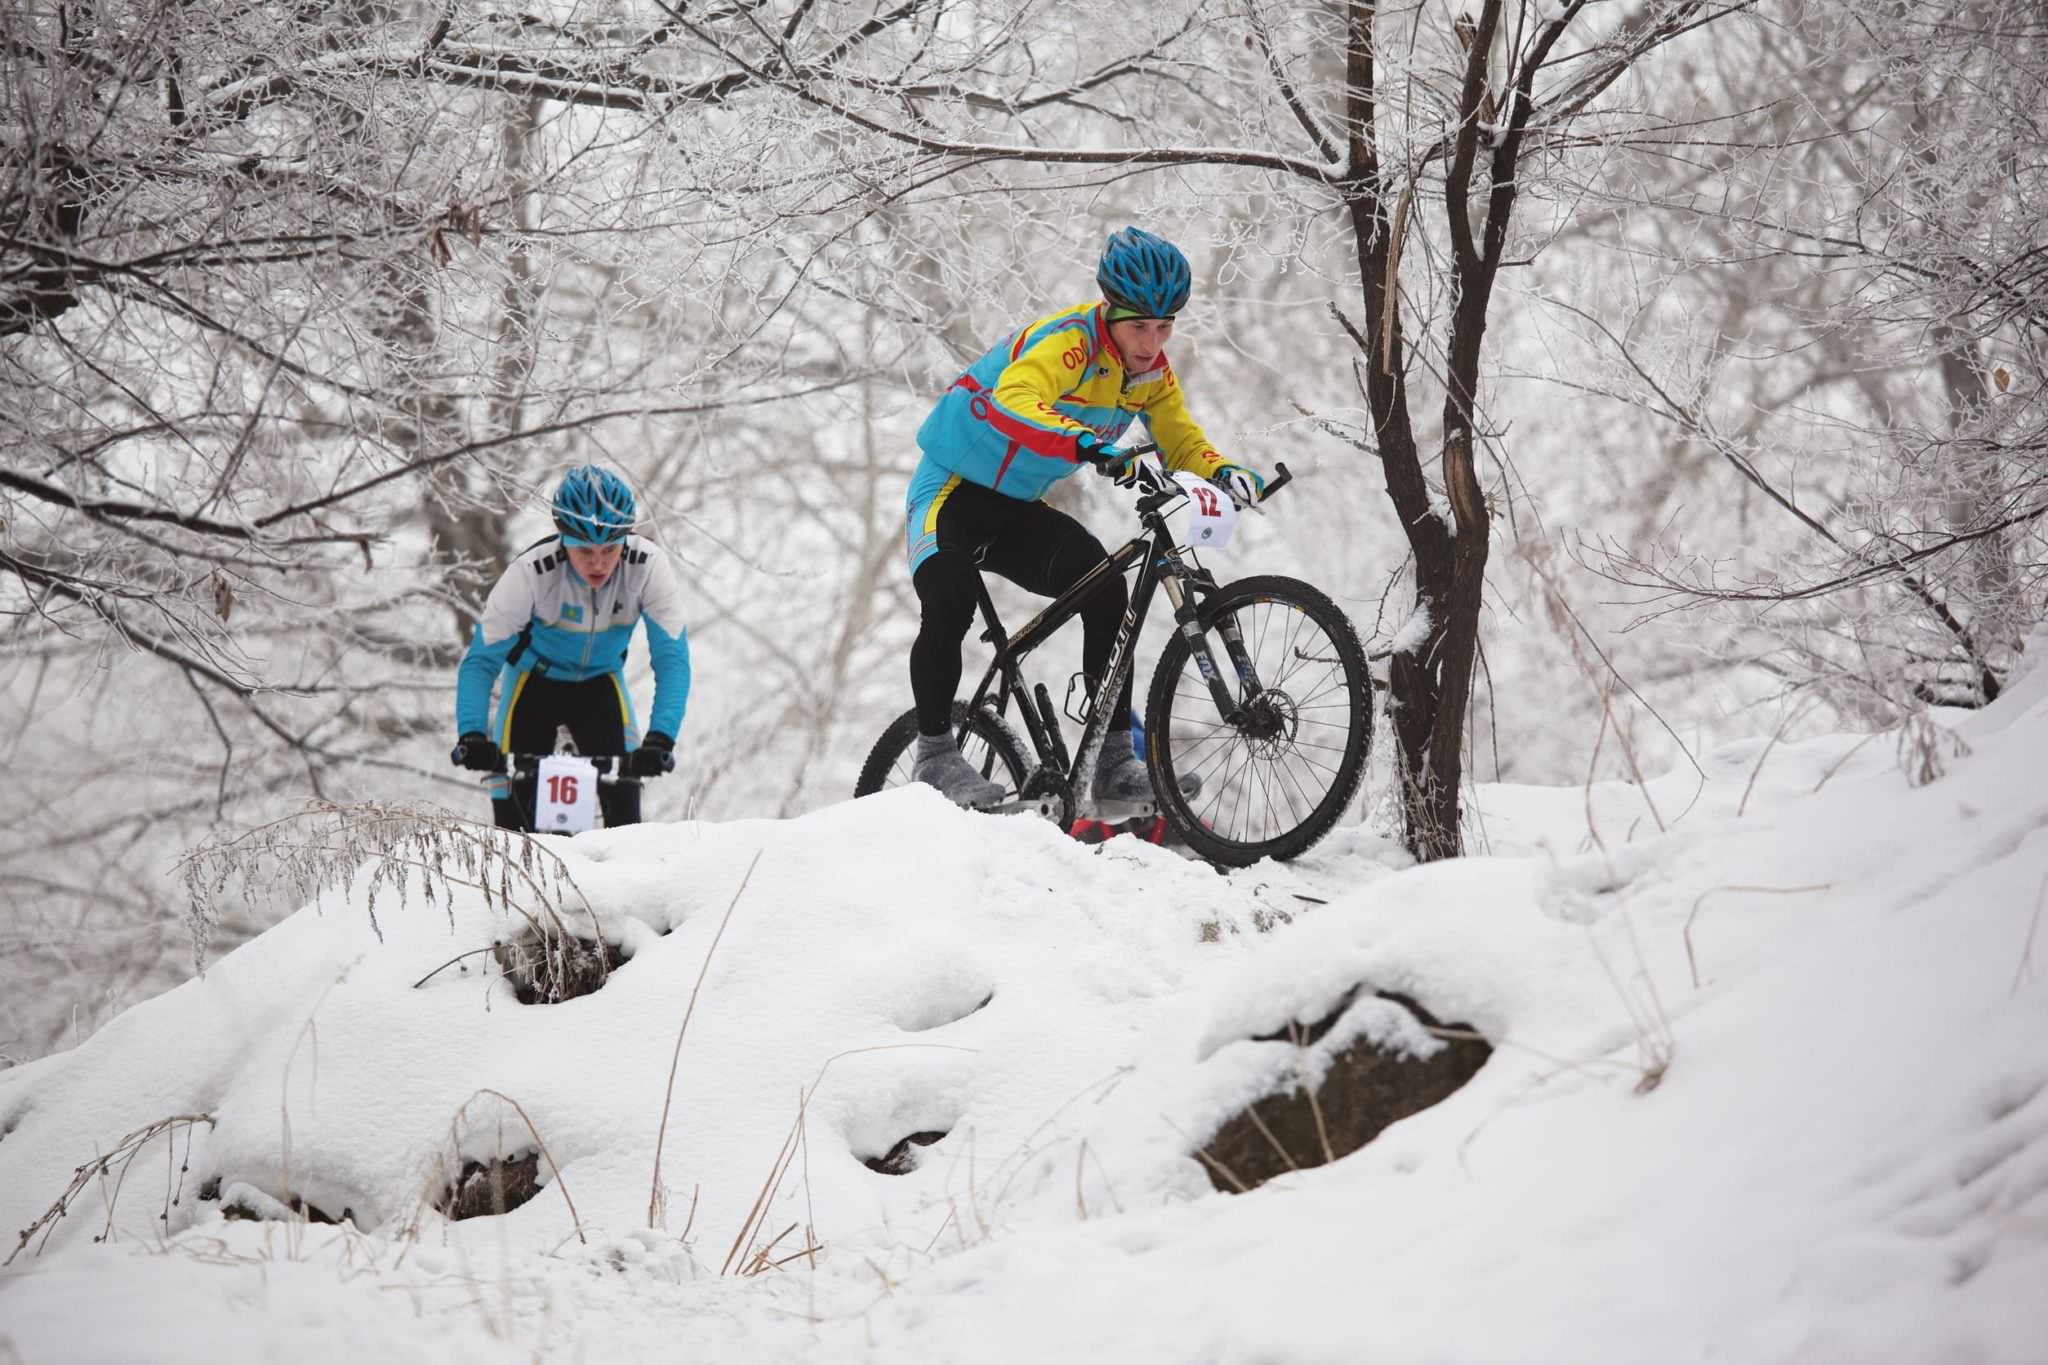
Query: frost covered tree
x=1415, y=134
x=301, y=308
x=296, y=306
x=1839, y=322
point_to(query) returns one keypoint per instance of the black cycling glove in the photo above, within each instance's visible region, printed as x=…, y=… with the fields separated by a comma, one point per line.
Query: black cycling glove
x=655, y=756
x=475, y=750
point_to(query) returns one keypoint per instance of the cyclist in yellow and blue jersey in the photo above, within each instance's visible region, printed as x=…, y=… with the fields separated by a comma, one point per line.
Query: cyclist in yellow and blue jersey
x=553, y=637
x=1050, y=399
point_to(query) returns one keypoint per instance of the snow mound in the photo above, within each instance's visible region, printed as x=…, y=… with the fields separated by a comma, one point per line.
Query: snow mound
x=1768, y=1084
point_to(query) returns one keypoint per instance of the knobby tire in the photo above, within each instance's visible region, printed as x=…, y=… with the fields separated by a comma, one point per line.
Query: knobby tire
x=1271, y=788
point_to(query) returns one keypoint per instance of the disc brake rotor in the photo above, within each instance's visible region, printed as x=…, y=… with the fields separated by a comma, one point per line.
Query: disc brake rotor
x=1269, y=723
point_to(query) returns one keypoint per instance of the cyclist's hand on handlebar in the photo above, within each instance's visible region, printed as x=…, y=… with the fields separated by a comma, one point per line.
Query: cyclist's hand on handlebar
x=655, y=756
x=1121, y=465
x=476, y=752
x=1247, y=487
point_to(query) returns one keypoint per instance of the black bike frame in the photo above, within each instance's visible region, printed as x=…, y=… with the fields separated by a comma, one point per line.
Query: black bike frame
x=1158, y=562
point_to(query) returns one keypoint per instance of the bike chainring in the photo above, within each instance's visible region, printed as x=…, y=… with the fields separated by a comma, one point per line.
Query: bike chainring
x=1051, y=793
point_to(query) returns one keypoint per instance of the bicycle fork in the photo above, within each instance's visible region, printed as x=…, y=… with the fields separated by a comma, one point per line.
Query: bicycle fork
x=1188, y=617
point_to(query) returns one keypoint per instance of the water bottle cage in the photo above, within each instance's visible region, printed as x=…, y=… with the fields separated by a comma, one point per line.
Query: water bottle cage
x=1079, y=682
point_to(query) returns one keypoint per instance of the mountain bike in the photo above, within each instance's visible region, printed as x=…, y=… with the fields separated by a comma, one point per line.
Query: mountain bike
x=1259, y=718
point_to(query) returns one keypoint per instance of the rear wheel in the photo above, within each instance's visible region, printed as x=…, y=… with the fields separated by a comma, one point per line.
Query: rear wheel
x=989, y=744
x=1273, y=781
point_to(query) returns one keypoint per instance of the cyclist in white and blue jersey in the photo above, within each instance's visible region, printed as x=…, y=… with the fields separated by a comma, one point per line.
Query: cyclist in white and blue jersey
x=553, y=638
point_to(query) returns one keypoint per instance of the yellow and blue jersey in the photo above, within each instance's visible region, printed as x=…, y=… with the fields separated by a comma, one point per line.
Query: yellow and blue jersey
x=1009, y=423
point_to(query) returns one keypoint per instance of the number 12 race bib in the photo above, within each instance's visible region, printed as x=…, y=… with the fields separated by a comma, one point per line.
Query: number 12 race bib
x=1211, y=514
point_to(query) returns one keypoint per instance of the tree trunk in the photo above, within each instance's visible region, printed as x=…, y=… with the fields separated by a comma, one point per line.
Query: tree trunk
x=1430, y=683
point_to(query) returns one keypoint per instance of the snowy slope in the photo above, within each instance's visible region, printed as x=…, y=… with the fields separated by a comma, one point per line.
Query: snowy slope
x=1771, y=1083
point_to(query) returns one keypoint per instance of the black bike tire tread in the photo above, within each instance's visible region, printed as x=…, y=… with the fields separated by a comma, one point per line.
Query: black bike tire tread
x=1351, y=769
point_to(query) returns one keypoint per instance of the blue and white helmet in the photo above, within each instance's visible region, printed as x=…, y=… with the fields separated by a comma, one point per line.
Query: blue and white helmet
x=593, y=506
x=1142, y=275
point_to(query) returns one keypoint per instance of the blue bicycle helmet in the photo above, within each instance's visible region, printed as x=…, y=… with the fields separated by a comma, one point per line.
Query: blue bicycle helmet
x=593, y=506
x=1142, y=275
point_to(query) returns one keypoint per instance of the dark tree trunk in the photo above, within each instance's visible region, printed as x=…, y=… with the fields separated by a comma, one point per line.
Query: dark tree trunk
x=1430, y=683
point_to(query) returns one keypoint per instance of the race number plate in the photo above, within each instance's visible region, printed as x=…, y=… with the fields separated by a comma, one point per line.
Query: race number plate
x=566, y=801
x=1212, y=516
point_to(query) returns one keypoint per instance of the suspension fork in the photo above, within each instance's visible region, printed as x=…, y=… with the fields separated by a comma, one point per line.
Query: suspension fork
x=1240, y=657
x=1176, y=578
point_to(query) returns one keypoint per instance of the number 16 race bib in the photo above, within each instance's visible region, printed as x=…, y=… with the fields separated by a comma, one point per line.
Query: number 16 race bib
x=566, y=799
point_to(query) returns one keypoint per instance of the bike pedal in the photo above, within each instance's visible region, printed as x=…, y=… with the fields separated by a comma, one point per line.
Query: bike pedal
x=1089, y=830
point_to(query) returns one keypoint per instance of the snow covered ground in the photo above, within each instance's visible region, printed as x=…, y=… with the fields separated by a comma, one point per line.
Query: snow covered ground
x=1771, y=1083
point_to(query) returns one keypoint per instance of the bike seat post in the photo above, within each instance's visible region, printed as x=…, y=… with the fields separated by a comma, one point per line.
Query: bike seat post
x=994, y=634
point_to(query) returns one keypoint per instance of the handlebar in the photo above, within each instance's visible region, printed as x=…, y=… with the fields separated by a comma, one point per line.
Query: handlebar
x=610, y=767
x=525, y=763
x=1106, y=462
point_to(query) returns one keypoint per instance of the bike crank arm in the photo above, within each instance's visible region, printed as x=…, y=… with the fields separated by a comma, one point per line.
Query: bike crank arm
x=1117, y=812
x=1045, y=807
x=1048, y=808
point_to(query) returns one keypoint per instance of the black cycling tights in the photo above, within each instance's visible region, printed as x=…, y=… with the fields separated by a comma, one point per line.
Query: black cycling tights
x=1039, y=548
x=595, y=712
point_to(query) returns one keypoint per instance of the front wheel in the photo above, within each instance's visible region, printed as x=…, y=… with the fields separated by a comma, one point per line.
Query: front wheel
x=1273, y=780
x=989, y=744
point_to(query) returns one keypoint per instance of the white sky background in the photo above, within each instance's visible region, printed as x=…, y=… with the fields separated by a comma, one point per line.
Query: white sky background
x=1845, y=991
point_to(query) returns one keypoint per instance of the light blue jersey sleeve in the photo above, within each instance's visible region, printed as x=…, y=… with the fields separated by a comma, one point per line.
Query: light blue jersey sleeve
x=507, y=612
x=668, y=647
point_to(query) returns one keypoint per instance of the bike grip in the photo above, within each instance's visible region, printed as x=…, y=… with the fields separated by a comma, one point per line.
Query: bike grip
x=1106, y=458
